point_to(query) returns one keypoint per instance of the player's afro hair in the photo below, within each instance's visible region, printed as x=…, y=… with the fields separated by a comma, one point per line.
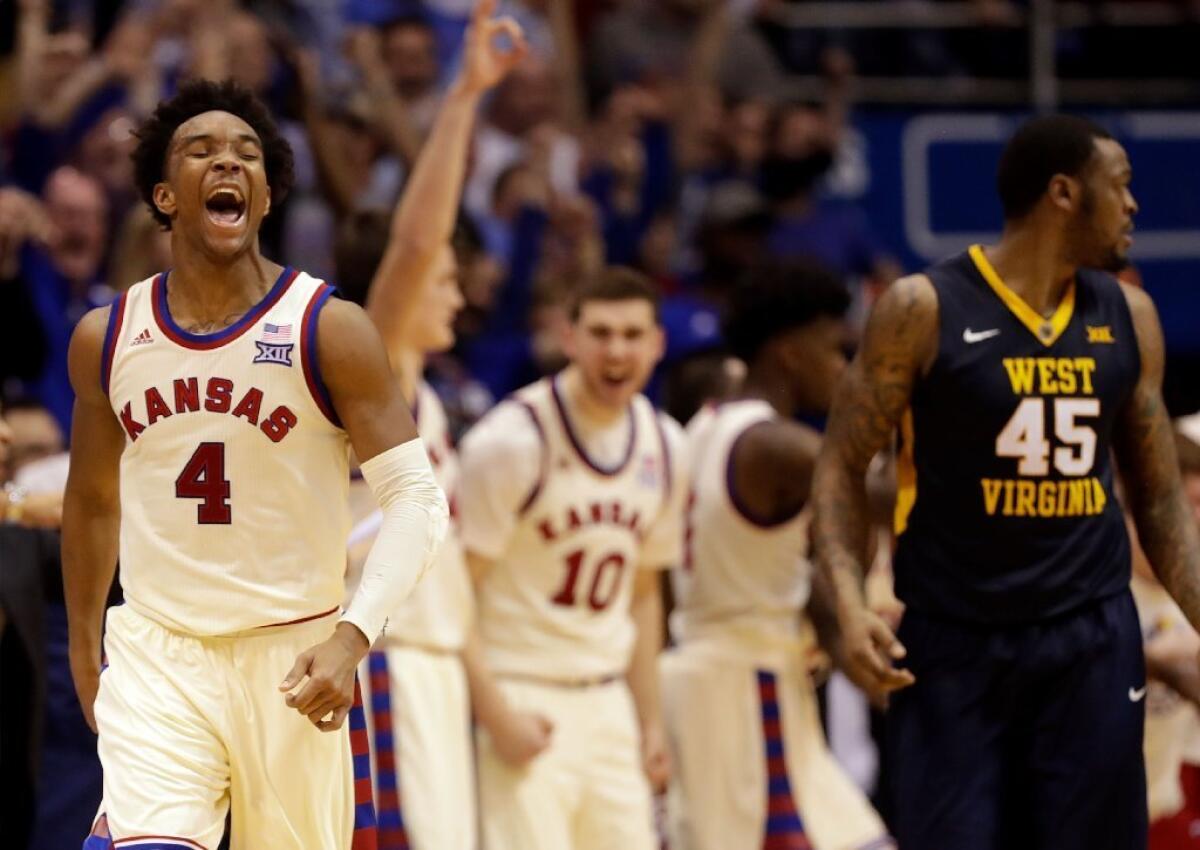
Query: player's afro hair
x=196, y=97
x=777, y=296
x=1041, y=148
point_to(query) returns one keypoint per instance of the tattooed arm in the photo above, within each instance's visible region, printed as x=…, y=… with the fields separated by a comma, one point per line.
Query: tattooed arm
x=1145, y=446
x=899, y=344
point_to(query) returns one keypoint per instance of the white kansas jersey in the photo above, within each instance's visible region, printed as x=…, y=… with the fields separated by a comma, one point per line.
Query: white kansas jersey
x=439, y=611
x=234, y=474
x=737, y=573
x=566, y=535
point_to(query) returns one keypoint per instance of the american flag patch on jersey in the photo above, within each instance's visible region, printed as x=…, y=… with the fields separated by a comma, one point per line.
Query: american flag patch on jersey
x=277, y=333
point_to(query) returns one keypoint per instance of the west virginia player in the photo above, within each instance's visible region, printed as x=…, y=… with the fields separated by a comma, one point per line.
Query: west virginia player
x=1013, y=371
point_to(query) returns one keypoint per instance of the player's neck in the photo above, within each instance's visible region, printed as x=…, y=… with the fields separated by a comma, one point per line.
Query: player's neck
x=773, y=389
x=583, y=405
x=205, y=293
x=1032, y=263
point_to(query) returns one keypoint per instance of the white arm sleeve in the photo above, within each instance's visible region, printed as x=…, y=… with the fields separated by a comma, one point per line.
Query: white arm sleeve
x=415, y=519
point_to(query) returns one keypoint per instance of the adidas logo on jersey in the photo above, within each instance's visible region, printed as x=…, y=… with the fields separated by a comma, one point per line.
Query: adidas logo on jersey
x=143, y=338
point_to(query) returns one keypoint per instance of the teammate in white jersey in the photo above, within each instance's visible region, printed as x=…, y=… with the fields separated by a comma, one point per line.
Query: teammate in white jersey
x=570, y=504
x=752, y=768
x=405, y=272
x=215, y=408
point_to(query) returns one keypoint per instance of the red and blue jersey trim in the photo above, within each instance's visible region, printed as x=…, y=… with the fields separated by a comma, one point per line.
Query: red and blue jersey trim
x=542, y=468
x=101, y=839
x=308, y=353
x=783, y=829
x=565, y=418
x=207, y=342
x=392, y=833
x=116, y=315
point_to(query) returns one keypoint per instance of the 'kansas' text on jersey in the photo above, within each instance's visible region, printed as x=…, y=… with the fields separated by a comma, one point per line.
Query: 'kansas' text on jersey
x=235, y=471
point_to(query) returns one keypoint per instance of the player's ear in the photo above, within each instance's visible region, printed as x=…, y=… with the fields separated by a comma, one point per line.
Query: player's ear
x=267, y=208
x=1065, y=192
x=566, y=338
x=164, y=200
x=660, y=342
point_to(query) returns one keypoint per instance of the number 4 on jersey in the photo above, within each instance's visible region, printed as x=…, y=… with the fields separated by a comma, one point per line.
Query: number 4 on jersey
x=203, y=477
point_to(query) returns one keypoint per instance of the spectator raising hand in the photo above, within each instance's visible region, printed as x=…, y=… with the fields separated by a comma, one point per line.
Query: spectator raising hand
x=494, y=46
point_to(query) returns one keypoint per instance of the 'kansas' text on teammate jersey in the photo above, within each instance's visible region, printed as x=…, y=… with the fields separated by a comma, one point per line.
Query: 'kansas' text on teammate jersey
x=1005, y=510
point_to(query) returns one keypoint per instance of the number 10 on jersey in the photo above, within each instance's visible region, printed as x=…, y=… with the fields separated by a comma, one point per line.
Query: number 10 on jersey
x=605, y=580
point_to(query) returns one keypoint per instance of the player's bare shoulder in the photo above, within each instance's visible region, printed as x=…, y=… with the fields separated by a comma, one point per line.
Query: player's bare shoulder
x=86, y=352
x=904, y=324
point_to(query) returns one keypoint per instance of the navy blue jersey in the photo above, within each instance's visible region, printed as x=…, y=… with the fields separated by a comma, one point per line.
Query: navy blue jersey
x=1005, y=511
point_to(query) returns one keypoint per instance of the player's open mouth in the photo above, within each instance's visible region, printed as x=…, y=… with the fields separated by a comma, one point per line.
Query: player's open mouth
x=225, y=206
x=615, y=380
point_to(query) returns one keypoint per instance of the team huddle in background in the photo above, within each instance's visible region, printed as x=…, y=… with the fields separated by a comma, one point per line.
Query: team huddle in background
x=340, y=630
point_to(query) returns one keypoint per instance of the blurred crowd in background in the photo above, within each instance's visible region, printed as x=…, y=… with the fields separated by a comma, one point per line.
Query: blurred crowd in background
x=674, y=136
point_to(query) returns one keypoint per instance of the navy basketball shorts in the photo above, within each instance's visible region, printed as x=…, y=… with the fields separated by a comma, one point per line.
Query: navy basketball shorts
x=1022, y=737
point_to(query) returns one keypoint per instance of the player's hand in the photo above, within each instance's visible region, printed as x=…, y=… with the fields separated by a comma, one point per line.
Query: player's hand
x=85, y=671
x=520, y=736
x=494, y=46
x=869, y=649
x=656, y=758
x=329, y=667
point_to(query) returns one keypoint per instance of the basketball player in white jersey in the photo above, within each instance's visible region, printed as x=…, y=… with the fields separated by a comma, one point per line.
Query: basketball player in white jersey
x=216, y=406
x=570, y=504
x=752, y=768
x=420, y=715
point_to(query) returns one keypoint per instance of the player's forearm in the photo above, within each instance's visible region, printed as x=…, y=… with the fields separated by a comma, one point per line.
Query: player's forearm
x=642, y=675
x=840, y=527
x=89, y=562
x=487, y=702
x=424, y=220
x=429, y=206
x=415, y=520
x=1171, y=541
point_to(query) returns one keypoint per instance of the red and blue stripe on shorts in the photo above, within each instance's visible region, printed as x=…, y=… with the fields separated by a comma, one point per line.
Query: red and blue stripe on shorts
x=392, y=834
x=784, y=829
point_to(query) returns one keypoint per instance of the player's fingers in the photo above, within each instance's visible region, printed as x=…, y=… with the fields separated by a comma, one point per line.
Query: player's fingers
x=885, y=640
x=308, y=697
x=298, y=671
x=508, y=28
x=894, y=679
x=335, y=722
x=321, y=710
x=483, y=10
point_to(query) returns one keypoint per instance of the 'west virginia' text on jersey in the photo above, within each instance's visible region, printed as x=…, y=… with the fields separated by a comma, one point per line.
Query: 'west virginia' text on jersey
x=1005, y=510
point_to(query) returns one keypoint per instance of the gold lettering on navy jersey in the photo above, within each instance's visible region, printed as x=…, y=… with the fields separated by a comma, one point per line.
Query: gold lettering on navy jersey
x=1050, y=375
x=1050, y=430
x=1022, y=497
x=1102, y=334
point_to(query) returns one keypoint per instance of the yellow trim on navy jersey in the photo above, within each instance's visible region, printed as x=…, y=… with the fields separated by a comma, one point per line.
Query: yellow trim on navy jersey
x=906, y=476
x=1046, y=330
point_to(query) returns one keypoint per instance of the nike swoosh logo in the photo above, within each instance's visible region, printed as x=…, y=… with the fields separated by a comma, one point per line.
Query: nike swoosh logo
x=971, y=337
x=1135, y=695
